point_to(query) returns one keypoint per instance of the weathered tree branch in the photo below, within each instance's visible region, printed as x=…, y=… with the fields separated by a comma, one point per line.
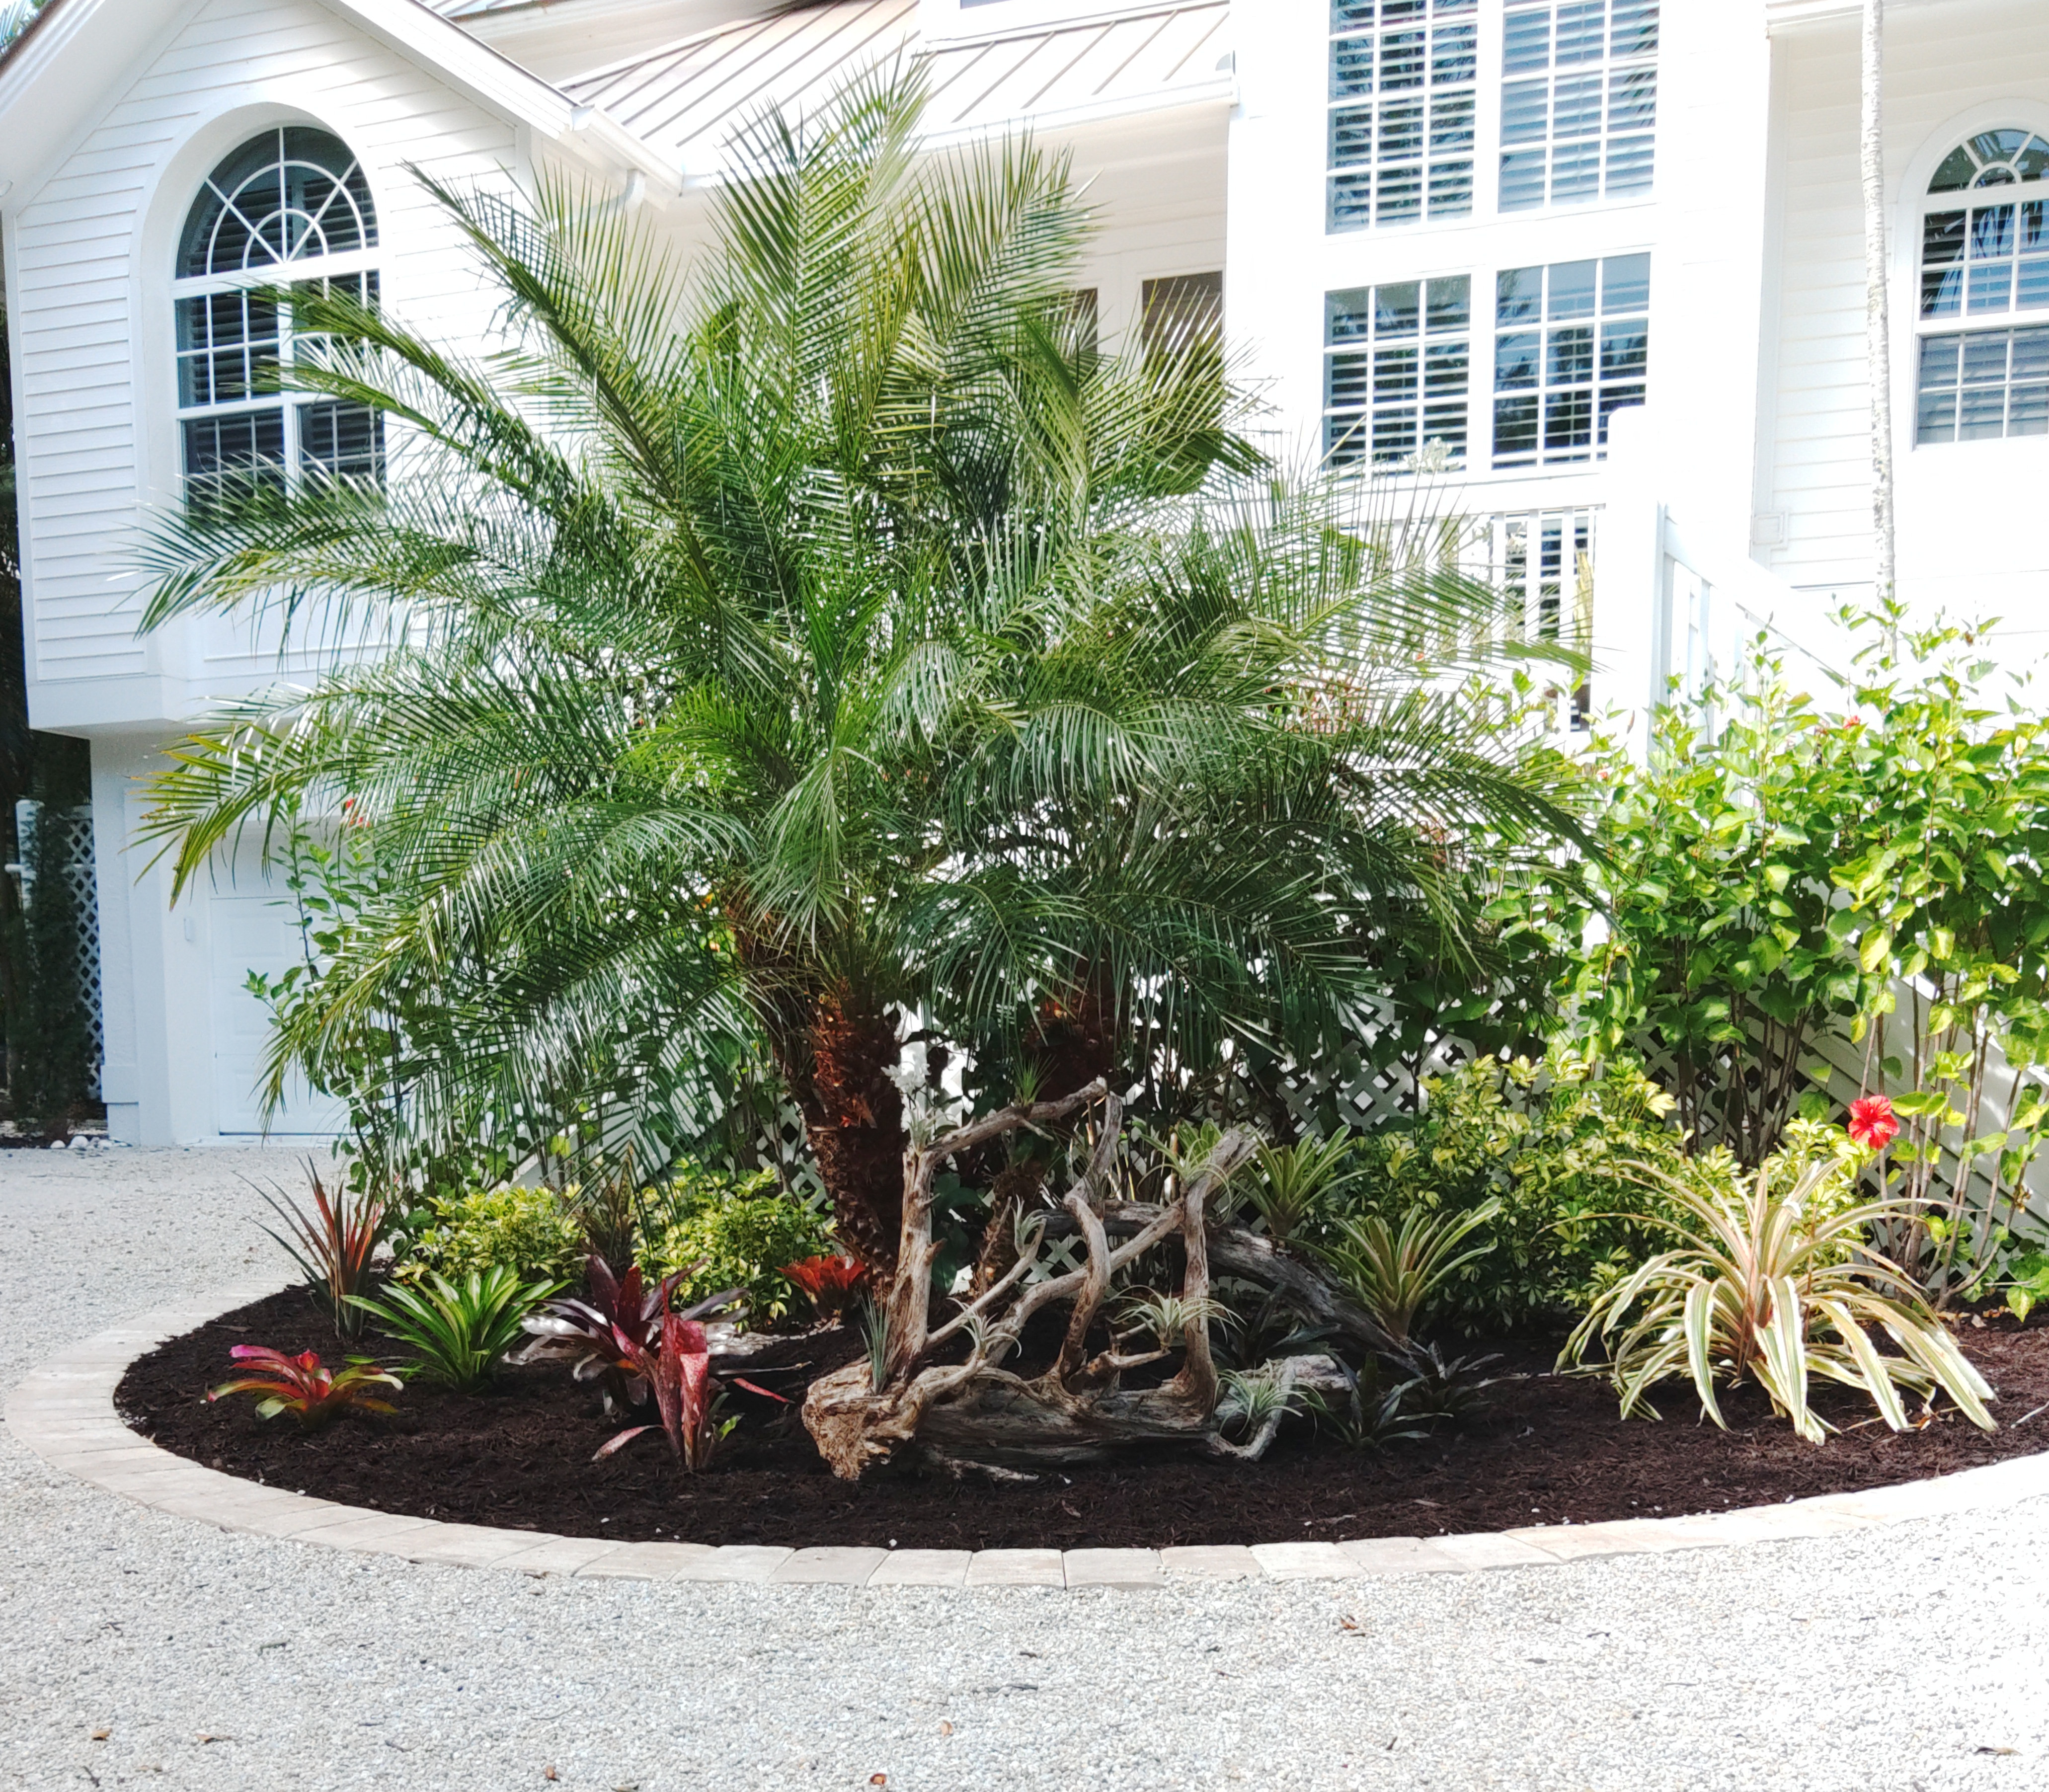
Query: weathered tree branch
x=978, y=1411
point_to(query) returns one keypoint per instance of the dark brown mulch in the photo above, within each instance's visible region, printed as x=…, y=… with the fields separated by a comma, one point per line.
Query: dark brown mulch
x=1545, y=1449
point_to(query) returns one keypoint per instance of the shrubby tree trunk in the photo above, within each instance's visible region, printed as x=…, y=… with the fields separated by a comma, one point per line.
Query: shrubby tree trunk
x=835, y=1053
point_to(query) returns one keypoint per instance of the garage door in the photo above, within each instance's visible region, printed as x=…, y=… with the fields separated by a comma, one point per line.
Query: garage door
x=254, y=933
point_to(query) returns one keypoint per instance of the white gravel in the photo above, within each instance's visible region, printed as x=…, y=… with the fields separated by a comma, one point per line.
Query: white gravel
x=1916, y=1657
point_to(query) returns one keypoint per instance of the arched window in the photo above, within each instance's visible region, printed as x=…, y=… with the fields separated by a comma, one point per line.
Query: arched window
x=289, y=205
x=1984, y=265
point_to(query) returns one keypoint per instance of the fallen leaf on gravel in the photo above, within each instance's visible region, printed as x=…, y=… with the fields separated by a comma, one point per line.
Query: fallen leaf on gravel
x=1986, y=1748
x=101, y=1735
x=547, y=1772
x=945, y=1729
x=878, y=1779
x=204, y=1737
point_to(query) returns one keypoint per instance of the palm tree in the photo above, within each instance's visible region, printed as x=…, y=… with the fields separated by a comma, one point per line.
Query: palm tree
x=827, y=635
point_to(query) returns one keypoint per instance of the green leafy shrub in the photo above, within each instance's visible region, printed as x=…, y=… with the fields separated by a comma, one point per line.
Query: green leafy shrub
x=721, y=1234
x=529, y=1231
x=1553, y=1141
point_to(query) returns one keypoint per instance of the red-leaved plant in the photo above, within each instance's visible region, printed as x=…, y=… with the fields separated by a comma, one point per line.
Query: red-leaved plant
x=832, y=1282
x=679, y=1373
x=599, y=1337
x=304, y=1387
x=333, y=1246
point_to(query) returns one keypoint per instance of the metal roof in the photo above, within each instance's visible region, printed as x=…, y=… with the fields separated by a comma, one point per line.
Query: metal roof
x=685, y=99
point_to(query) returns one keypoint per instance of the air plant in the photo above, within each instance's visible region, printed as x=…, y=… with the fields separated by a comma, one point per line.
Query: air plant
x=832, y=1283
x=1253, y=1403
x=598, y=1338
x=1166, y=1319
x=334, y=1245
x=1294, y=1181
x=875, y=1333
x=678, y=1371
x=460, y=1329
x=304, y=1387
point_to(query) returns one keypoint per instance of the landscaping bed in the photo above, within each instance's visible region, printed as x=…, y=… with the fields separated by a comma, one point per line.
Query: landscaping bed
x=1545, y=1449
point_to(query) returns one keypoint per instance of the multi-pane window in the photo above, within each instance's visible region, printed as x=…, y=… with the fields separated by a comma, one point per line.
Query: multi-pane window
x=1181, y=311
x=1545, y=560
x=1402, y=101
x=291, y=205
x=1985, y=254
x=1397, y=366
x=1579, y=101
x=1572, y=346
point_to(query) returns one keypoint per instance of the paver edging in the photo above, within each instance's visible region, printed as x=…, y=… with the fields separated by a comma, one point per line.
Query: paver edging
x=64, y=1412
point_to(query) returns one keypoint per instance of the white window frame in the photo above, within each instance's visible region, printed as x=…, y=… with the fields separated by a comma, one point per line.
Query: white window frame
x=1614, y=83
x=1975, y=324
x=362, y=263
x=1599, y=385
x=1356, y=434
x=1438, y=95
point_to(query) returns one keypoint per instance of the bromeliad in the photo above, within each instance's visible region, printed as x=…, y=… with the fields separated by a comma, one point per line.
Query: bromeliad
x=304, y=1387
x=678, y=1371
x=832, y=1282
x=599, y=1337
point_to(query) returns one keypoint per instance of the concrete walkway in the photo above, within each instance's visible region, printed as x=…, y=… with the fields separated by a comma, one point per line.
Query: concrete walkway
x=1914, y=1656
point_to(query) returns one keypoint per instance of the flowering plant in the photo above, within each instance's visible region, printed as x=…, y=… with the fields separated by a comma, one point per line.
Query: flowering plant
x=1872, y=1124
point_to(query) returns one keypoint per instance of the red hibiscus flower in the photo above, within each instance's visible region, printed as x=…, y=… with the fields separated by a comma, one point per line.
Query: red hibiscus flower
x=1873, y=1123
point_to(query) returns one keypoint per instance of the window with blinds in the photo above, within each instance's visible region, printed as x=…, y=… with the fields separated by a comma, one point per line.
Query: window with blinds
x=1397, y=370
x=1402, y=100
x=1572, y=347
x=1984, y=254
x=1579, y=101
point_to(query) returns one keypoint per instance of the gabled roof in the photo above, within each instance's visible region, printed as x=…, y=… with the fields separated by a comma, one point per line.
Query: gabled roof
x=80, y=54
x=684, y=100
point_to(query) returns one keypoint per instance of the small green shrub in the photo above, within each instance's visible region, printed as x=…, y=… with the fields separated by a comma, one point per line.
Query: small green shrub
x=1560, y=1144
x=529, y=1231
x=742, y=1235
x=461, y=1330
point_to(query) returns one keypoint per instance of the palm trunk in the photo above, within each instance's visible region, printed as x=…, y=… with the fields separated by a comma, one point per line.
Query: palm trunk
x=1878, y=308
x=853, y=1114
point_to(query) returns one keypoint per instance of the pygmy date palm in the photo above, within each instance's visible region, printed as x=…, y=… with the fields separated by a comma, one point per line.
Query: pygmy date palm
x=825, y=632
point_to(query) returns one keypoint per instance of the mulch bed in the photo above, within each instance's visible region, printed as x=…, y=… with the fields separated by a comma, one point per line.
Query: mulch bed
x=1545, y=1449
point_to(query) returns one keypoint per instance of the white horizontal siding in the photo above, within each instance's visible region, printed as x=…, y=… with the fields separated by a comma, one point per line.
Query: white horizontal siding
x=1941, y=62
x=96, y=421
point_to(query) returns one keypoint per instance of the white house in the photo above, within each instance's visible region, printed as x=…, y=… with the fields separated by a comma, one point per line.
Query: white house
x=1592, y=268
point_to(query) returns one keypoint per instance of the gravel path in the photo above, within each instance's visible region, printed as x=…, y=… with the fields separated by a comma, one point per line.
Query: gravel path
x=1916, y=1657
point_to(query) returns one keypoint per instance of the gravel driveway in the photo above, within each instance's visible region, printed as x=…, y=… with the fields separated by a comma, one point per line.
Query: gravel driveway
x=1913, y=1657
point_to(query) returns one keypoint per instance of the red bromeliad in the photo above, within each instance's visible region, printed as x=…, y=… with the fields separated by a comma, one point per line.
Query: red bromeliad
x=679, y=1373
x=598, y=1337
x=1872, y=1123
x=304, y=1387
x=831, y=1282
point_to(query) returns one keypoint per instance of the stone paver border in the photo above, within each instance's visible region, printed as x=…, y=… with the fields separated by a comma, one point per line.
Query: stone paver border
x=64, y=1412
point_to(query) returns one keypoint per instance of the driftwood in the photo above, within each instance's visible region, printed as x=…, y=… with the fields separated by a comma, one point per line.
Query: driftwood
x=978, y=1412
